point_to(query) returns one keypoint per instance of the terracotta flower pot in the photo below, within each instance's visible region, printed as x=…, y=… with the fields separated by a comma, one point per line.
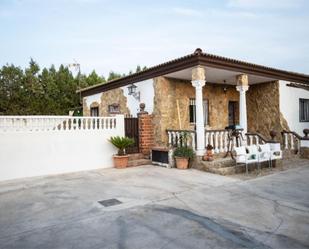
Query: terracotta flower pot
x=209, y=156
x=182, y=162
x=121, y=162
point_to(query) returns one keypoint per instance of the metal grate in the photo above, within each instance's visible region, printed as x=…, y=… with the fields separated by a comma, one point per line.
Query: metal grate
x=109, y=202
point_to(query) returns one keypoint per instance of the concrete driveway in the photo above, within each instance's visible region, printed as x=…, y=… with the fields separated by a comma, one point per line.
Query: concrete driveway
x=161, y=208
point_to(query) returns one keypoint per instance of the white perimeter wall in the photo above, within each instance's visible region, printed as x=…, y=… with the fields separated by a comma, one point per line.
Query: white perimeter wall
x=36, y=152
x=146, y=96
x=289, y=106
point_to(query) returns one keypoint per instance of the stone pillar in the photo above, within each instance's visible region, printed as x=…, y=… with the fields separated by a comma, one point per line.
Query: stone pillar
x=242, y=87
x=198, y=81
x=146, y=131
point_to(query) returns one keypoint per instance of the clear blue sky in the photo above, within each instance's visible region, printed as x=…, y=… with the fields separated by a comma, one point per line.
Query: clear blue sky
x=117, y=35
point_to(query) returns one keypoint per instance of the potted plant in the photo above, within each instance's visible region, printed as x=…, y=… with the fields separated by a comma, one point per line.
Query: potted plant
x=182, y=156
x=209, y=155
x=121, y=143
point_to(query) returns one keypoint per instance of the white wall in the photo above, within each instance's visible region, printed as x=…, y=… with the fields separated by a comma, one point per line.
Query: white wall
x=289, y=106
x=93, y=98
x=146, y=96
x=34, y=152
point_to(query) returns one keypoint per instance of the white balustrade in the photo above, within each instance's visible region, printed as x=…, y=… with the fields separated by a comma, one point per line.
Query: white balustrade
x=291, y=141
x=181, y=138
x=218, y=139
x=55, y=123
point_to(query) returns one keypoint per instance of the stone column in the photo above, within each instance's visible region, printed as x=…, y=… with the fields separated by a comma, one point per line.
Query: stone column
x=242, y=87
x=198, y=81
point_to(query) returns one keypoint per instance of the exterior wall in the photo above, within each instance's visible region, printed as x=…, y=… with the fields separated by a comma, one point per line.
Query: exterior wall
x=289, y=106
x=146, y=96
x=128, y=104
x=31, y=146
x=173, y=93
x=103, y=100
x=263, y=109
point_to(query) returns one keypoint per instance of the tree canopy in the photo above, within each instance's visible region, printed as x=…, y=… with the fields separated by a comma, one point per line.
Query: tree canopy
x=50, y=91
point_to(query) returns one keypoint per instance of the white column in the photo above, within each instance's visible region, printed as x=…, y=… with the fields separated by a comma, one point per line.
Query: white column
x=242, y=106
x=200, y=129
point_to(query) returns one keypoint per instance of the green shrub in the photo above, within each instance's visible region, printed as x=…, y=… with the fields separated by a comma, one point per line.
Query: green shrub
x=121, y=143
x=186, y=152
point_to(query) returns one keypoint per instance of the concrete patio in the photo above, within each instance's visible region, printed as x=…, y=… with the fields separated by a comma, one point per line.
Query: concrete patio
x=161, y=208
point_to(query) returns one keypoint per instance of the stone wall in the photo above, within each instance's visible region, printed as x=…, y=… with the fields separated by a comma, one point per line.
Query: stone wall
x=171, y=106
x=263, y=110
x=173, y=93
x=114, y=96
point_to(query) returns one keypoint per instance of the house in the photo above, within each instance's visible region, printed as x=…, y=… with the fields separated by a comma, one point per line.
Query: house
x=205, y=92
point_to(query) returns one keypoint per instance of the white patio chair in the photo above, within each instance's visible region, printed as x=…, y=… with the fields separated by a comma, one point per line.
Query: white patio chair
x=242, y=157
x=253, y=150
x=276, y=152
x=265, y=154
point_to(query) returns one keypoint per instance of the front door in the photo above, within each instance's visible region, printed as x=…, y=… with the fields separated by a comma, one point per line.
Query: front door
x=131, y=131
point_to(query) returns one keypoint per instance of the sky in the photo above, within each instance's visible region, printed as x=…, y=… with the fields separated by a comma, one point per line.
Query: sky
x=116, y=35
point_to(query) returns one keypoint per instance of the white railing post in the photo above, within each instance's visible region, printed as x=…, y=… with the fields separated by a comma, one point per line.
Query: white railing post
x=216, y=142
x=193, y=140
x=221, y=141
x=286, y=142
x=225, y=141
x=292, y=141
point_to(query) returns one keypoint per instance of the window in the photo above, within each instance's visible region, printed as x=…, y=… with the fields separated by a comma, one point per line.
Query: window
x=94, y=111
x=114, y=108
x=192, y=111
x=304, y=110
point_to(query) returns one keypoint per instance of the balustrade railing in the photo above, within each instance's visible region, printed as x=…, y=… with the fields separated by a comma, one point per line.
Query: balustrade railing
x=292, y=140
x=218, y=139
x=181, y=138
x=254, y=138
x=55, y=123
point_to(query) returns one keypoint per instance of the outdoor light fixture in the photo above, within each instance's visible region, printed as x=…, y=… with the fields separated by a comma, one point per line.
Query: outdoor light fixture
x=225, y=87
x=132, y=91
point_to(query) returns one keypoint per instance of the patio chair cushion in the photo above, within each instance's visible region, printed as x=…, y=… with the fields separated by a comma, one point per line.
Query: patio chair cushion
x=241, y=154
x=264, y=154
x=265, y=148
x=276, y=152
x=253, y=149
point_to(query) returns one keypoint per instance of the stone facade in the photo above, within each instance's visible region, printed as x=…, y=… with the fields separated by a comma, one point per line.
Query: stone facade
x=172, y=100
x=110, y=97
x=263, y=110
x=174, y=94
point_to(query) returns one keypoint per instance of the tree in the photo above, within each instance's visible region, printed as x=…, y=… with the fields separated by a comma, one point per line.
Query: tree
x=49, y=91
x=112, y=76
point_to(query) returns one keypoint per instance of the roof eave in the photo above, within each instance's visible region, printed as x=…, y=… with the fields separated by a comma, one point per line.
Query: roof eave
x=194, y=60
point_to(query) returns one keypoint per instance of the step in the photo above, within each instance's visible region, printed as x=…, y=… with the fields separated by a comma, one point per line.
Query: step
x=136, y=156
x=223, y=171
x=289, y=154
x=218, y=163
x=139, y=162
x=240, y=168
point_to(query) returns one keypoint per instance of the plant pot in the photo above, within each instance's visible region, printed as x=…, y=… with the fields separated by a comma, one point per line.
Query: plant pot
x=181, y=162
x=209, y=156
x=121, y=162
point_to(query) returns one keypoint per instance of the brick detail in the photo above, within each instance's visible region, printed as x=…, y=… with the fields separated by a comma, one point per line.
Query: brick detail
x=146, y=133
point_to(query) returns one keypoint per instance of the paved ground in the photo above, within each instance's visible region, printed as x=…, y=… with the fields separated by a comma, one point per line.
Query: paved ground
x=162, y=208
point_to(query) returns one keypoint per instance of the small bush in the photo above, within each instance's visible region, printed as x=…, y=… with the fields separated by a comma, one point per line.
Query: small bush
x=186, y=152
x=121, y=143
x=209, y=147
